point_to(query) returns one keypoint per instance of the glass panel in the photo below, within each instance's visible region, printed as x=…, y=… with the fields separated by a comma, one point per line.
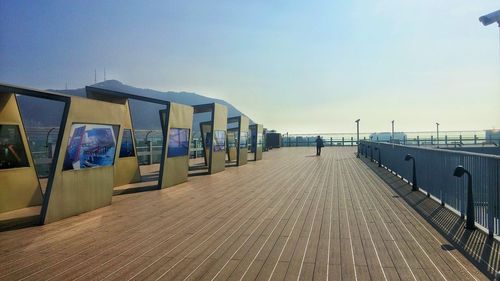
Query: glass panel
x=244, y=140
x=127, y=147
x=220, y=141
x=259, y=140
x=12, y=152
x=178, y=143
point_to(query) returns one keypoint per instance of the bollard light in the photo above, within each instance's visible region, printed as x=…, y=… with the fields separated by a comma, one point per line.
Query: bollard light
x=409, y=157
x=459, y=172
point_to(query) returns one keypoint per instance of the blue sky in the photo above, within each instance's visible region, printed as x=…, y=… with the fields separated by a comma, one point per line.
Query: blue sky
x=296, y=66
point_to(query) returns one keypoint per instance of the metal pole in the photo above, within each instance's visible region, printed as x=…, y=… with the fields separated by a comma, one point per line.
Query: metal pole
x=150, y=153
x=470, y=204
x=392, y=131
x=437, y=132
x=415, y=186
x=357, y=134
x=49, y=150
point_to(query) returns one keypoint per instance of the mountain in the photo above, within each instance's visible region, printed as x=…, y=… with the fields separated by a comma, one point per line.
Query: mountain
x=35, y=110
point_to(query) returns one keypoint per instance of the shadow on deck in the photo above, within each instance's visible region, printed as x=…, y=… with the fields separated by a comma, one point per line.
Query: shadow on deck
x=477, y=246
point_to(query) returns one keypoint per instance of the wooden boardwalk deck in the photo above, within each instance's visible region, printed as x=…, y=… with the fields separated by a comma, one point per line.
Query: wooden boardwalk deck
x=291, y=216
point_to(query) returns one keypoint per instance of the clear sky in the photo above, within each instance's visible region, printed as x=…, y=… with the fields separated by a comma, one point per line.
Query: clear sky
x=296, y=66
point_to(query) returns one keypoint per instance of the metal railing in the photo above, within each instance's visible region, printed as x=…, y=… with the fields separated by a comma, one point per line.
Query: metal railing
x=434, y=173
x=445, y=139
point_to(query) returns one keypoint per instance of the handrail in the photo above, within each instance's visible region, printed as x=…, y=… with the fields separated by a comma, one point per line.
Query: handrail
x=434, y=170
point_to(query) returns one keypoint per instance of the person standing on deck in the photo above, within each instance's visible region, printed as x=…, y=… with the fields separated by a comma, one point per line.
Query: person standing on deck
x=319, y=145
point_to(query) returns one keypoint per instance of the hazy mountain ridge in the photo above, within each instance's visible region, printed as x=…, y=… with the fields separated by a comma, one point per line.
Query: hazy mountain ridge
x=35, y=110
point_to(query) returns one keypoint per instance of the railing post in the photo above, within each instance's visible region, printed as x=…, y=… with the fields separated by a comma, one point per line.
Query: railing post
x=475, y=139
x=331, y=141
x=379, y=158
x=418, y=141
x=150, y=152
x=446, y=140
x=352, y=141
x=460, y=138
x=343, y=141
x=432, y=140
x=493, y=198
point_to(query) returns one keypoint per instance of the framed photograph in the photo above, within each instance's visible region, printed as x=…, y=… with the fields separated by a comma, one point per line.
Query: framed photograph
x=12, y=151
x=178, y=143
x=127, y=147
x=220, y=141
x=90, y=146
x=259, y=140
x=231, y=139
x=244, y=140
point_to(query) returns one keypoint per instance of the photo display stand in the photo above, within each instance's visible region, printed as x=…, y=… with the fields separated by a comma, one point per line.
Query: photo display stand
x=176, y=121
x=206, y=140
x=242, y=138
x=231, y=143
x=177, y=130
x=213, y=135
x=21, y=196
x=84, y=169
x=126, y=168
x=257, y=132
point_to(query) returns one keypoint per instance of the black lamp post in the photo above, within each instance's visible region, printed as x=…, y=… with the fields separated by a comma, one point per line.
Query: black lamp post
x=459, y=172
x=437, y=134
x=409, y=157
x=357, y=135
x=379, y=159
x=392, y=135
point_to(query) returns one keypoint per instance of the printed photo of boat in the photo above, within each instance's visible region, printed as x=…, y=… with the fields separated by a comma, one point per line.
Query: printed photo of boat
x=90, y=145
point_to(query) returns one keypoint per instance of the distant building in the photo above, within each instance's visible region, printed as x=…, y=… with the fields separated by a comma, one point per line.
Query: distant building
x=399, y=137
x=493, y=136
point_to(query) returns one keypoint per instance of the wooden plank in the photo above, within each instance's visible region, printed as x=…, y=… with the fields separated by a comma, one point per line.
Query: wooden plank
x=291, y=216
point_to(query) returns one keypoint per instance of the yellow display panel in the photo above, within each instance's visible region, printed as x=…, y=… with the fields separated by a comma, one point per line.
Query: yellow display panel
x=127, y=167
x=76, y=190
x=231, y=146
x=243, y=141
x=218, y=155
x=260, y=142
x=19, y=185
x=176, y=165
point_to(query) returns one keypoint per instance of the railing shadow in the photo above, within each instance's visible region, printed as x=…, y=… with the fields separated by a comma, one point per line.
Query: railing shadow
x=477, y=246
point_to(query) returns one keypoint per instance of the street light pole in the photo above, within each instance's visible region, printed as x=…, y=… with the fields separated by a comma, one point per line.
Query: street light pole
x=409, y=157
x=392, y=131
x=437, y=132
x=357, y=136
